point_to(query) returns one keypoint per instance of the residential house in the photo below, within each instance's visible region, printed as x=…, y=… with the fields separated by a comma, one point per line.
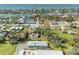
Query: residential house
x=34, y=35
x=22, y=20
x=33, y=23
x=38, y=44
x=76, y=23
x=14, y=39
x=58, y=24
x=71, y=32
x=2, y=35
x=16, y=29
x=65, y=15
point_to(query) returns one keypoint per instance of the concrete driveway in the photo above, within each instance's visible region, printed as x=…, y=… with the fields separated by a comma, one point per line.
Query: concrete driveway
x=21, y=46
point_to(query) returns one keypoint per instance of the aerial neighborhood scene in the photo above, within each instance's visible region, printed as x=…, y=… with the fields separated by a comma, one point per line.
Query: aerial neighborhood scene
x=39, y=29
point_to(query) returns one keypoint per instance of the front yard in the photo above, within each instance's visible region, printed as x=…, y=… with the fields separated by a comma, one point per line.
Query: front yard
x=7, y=48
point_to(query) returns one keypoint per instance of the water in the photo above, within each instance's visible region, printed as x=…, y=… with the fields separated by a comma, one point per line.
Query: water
x=31, y=6
x=9, y=15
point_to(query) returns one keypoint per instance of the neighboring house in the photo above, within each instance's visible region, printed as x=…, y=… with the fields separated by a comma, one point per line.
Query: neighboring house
x=58, y=24
x=71, y=32
x=41, y=52
x=17, y=29
x=34, y=35
x=37, y=44
x=14, y=39
x=76, y=23
x=65, y=15
x=4, y=19
x=2, y=35
x=22, y=20
x=33, y=23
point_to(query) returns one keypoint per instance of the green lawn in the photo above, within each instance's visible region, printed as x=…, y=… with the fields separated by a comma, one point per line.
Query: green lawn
x=7, y=49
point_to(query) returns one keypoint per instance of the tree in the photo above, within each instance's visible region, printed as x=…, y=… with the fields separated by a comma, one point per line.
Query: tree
x=73, y=26
x=74, y=51
x=26, y=35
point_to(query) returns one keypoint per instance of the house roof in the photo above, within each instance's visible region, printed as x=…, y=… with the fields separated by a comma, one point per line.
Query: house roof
x=71, y=31
x=37, y=43
x=21, y=20
x=77, y=21
x=42, y=52
x=16, y=28
x=59, y=23
x=31, y=21
x=2, y=34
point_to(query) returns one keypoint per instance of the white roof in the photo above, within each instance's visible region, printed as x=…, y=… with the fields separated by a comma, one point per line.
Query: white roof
x=33, y=25
x=21, y=20
x=37, y=43
x=42, y=52
x=16, y=27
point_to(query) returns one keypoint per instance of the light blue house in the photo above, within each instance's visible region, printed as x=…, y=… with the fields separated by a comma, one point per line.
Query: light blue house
x=38, y=44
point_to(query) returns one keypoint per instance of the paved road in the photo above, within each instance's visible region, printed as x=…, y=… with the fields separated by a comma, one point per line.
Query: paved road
x=21, y=46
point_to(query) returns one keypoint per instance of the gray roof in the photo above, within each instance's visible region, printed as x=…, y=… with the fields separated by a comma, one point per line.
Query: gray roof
x=31, y=21
x=21, y=20
x=71, y=32
x=37, y=43
x=2, y=34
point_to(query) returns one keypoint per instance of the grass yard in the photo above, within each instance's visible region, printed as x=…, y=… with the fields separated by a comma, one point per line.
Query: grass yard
x=51, y=44
x=42, y=38
x=7, y=49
